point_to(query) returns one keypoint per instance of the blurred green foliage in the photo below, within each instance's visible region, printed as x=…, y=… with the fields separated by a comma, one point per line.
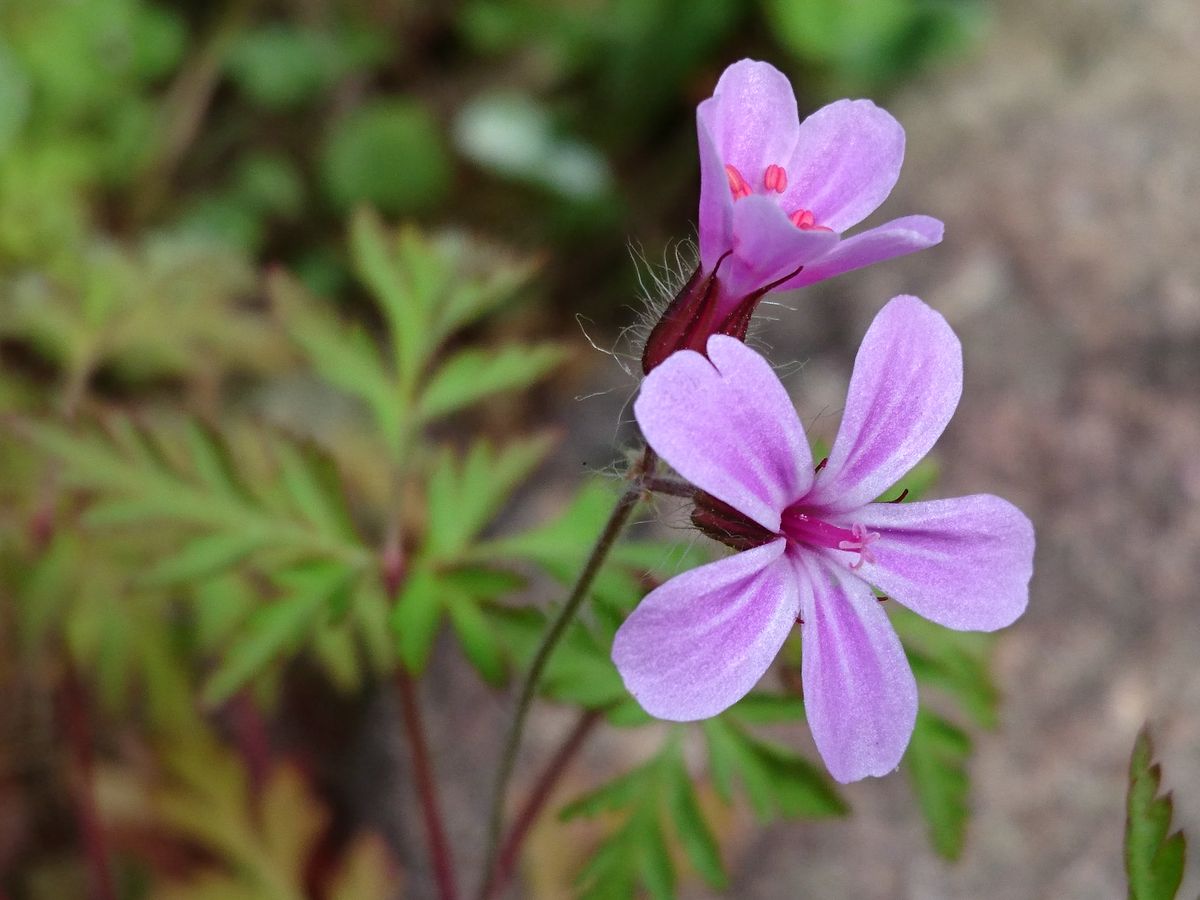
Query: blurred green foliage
x=241, y=439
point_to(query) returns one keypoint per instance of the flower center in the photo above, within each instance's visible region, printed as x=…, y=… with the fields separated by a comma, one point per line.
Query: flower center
x=805, y=529
x=775, y=181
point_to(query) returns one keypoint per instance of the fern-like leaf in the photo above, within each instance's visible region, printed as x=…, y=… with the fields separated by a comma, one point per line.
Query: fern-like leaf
x=1154, y=857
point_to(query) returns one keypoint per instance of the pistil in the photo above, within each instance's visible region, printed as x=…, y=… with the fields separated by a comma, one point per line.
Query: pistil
x=813, y=532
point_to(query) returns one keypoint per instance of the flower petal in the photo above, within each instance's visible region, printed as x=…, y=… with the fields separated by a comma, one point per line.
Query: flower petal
x=846, y=162
x=906, y=383
x=860, y=696
x=767, y=246
x=699, y=643
x=897, y=238
x=752, y=118
x=716, y=203
x=963, y=563
x=728, y=427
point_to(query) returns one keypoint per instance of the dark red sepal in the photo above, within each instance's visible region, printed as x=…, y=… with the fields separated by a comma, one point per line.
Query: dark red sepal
x=723, y=523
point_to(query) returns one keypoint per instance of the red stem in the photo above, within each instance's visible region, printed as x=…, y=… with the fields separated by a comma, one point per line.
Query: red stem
x=439, y=847
x=79, y=740
x=252, y=738
x=506, y=860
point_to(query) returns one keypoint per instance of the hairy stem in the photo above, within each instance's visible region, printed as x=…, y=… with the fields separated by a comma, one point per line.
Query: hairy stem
x=439, y=846
x=675, y=487
x=506, y=859
x=603, y=546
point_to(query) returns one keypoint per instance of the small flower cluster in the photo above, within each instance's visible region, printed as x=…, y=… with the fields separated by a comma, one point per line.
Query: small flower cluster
x=817, y=547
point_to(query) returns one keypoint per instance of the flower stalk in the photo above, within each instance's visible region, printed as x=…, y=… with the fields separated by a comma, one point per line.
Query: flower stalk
x=617, y=520
x=506, y=859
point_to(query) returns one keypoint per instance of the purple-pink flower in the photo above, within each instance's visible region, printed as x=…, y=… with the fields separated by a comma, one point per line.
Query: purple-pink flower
x=814, y=543
x=776, y=194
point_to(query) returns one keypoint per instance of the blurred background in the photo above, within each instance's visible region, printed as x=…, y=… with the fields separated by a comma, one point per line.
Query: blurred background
x=152, y=151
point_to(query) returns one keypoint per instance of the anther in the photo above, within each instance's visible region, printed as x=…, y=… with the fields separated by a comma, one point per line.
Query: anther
x=775, y=179
x=822, y=464
x=804, y=220
x=737, y=184
x=900, y=499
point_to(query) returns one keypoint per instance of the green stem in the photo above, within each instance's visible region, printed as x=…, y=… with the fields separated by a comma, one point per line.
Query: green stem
x=617, y=519
x=506, y=859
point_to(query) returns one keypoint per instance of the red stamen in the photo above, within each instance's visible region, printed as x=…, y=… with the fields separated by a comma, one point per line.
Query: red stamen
x=775, y=179
x=737, y=184
x=803, y=219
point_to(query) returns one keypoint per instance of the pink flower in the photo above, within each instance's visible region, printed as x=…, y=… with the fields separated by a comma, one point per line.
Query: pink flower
x=776, y=194
x=814, y=544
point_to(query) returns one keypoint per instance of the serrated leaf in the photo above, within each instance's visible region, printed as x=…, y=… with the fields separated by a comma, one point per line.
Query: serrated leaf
x=341, y=353
x=953, y=661
x=580, y=671
x=936, y=761
x=375, y=256
x=479, y=642
x=263, y=843
x=211, y=462
x=278, y=627
x=167, y=491
x=464, y=495
x=618, y=793
x=473, y=375
x=416, y=617
x=565, y=538
x=473, y=300
x=776, y=781
x=694, y=834
x=1154, y=859
x=201, y=558
x=312, y=485
x=660, y=808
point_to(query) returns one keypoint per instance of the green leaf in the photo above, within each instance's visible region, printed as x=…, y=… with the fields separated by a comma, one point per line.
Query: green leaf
x=201, y=558
x=464, y=495
x=1154, y=859
x=471, y=300
x=312, y=484
x=479, y=642
x=341, y=353
x=416, y=617
x=388, y=153
x=767, y=709
x=396, y=288
x=622, y=791
x=211, y=460
x=937, y=767
x=276, y=628
x=473, y=375
x=694, y=833
x=579, y=672
x=952, y=661
x=776, y=781
x=658, y=803
x=565, y=540
x=280, y=67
